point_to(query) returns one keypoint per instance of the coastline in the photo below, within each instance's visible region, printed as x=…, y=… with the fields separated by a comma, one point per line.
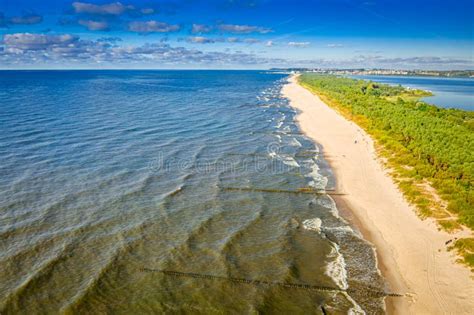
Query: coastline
x=411, y=253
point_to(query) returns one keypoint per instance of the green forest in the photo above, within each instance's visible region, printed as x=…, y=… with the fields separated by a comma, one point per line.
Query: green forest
x=425, y=146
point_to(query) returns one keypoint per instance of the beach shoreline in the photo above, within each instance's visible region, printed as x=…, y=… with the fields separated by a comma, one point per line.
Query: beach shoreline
x=411, y=252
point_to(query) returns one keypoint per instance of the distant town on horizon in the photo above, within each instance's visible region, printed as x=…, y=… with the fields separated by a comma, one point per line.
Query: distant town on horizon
x=401, y=72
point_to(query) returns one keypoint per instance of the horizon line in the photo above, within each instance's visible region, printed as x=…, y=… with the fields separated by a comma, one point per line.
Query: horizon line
x=226, y=69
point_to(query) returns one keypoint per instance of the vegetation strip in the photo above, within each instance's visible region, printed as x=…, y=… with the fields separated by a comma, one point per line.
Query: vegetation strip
x=429, y=149
x=369, y=291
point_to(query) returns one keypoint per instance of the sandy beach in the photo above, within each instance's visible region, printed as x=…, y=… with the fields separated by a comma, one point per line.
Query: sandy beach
x=411, y=252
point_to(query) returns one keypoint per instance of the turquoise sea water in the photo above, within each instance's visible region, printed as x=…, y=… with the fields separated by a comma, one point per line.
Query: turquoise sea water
x=108, y=177
x=448, y=92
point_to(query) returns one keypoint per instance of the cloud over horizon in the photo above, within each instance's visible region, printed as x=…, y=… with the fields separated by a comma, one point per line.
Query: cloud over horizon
x=200, y=40
x=94, y=25
x=243, y=29
x=115, y=8
x=308, y=31
x=152, y=27
x=299, y=44
x=209, y=40
x=201, y=28
x=377, y=61
x=67, y=48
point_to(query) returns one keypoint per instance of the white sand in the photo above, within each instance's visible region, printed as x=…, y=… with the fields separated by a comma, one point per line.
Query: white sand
x=412, y=253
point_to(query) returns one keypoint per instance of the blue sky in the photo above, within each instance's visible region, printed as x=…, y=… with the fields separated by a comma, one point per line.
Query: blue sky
x=423, y=34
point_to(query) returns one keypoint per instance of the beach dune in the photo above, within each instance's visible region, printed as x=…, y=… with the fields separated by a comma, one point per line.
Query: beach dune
x=411, y=252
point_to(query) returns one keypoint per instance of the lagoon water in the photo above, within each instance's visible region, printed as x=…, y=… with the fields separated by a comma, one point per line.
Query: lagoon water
x=448, y=92
x=108, y=177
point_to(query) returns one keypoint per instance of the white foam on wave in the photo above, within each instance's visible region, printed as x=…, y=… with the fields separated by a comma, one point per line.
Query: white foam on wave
x=318, y=180
x=325, y=202
x=288, y=160
x=341, y=229
x=336, y=268
x=356, y=309
x=313, y=224
x=295, y=143
x=281, y=120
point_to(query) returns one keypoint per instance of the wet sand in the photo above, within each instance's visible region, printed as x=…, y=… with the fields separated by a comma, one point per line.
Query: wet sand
x=411, y=252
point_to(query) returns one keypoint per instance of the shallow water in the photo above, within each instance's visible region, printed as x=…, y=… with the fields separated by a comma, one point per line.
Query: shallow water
x=447, y=92
x=108, y=177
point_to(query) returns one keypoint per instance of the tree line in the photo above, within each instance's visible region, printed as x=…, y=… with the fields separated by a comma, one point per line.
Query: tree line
x=424, y=144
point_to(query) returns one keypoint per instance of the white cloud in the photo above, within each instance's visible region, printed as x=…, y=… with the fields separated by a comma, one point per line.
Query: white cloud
x=200, y=40
x=109, y=39
x=251, y=41
x=152, y=27
x=376, y=61
x=28, y=49
x=201, y=28
x=299, y=44
x=115, y=8
x=94, y=25
x=233, y=40
x=27, y=41
x=243, y=29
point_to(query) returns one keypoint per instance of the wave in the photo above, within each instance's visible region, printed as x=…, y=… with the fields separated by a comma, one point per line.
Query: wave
x=336, y=268
x=97, y=206
x=318, y=181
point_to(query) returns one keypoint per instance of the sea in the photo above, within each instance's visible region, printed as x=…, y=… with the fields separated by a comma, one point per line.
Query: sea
x=190, y=192
x=447, y=92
